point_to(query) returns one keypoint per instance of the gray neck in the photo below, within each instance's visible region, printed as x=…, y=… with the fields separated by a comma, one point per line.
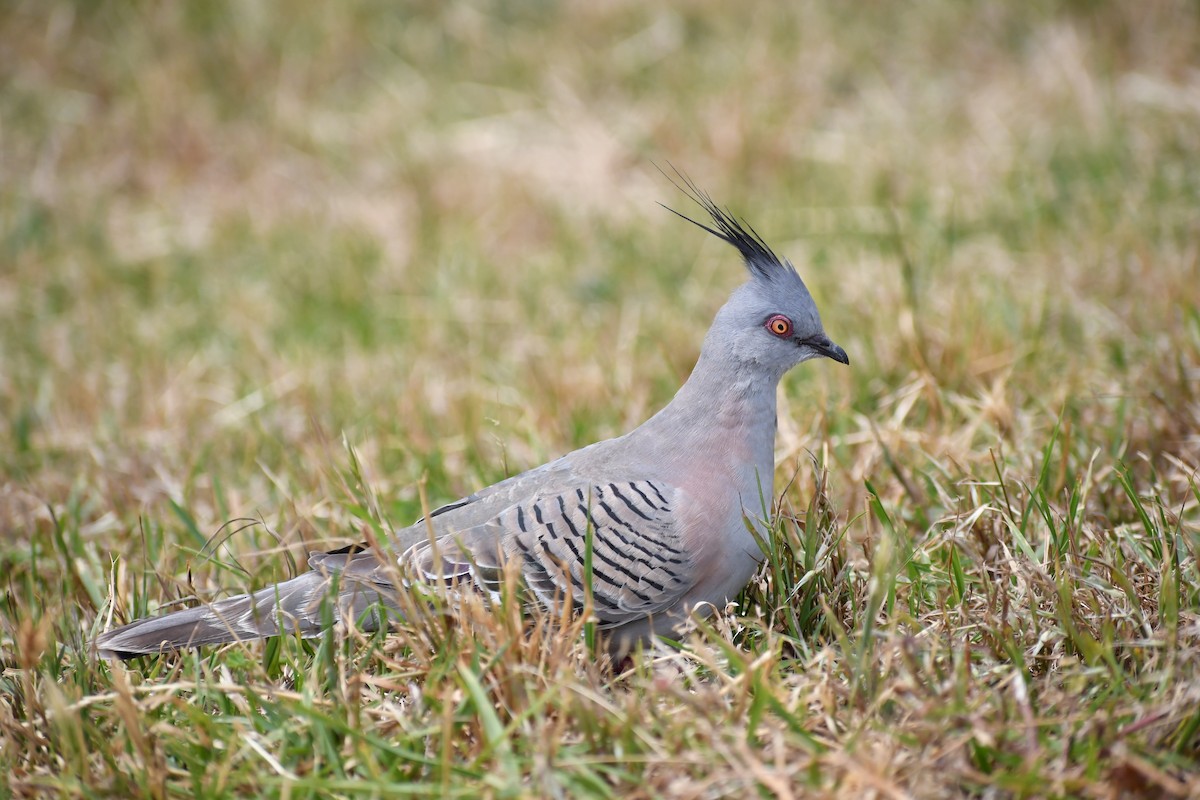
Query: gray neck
x=724, y=413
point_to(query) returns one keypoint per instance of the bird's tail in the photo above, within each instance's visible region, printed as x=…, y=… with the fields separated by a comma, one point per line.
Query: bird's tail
x=304, y=605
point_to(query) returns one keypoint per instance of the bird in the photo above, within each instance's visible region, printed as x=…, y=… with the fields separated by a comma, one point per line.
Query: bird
x=650, y=528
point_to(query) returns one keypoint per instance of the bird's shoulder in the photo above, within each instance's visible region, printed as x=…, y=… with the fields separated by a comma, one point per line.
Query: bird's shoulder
x=586, y=533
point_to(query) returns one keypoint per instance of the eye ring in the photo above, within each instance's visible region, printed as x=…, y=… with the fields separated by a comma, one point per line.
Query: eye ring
x=779, y=325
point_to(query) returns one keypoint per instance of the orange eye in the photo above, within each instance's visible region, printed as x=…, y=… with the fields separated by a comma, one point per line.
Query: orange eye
x=780, y=325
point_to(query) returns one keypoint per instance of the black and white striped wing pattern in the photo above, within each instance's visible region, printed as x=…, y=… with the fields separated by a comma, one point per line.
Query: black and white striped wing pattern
x=638, y=566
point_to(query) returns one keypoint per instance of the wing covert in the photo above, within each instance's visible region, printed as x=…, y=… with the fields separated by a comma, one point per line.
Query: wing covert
x=638, y=567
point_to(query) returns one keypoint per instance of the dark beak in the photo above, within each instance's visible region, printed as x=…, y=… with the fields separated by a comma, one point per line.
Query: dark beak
x=827, y=348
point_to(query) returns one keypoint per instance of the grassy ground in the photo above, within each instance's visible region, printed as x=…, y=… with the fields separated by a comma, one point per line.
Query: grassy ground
x=276, y=270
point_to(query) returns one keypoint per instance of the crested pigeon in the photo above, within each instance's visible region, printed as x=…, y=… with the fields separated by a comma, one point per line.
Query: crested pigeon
x=666, y=510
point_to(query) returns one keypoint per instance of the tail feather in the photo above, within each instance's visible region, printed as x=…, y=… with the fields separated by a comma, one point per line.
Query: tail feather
x=293, y=606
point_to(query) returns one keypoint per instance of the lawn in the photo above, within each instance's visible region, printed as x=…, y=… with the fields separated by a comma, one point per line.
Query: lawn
x=276, y=277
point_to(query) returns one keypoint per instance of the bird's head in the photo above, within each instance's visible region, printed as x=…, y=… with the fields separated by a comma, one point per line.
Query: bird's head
x=771, y=320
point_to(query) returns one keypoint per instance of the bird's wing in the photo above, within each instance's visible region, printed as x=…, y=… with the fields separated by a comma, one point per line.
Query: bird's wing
x=639, y=565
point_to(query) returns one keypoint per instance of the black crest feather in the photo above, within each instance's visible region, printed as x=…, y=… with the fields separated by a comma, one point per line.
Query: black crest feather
x=760, y=259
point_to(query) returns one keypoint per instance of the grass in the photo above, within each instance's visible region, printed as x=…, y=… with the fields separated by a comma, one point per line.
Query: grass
x=269, y=276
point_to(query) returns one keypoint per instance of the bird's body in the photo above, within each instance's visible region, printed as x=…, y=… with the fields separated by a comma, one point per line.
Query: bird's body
x=668, y=507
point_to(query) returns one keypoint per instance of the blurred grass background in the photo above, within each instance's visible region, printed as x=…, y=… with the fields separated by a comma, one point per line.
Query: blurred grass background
x=234, y=234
